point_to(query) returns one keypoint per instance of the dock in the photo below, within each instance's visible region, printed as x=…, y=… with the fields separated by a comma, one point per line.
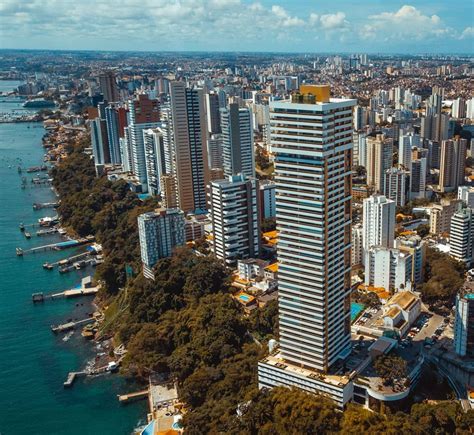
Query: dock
x=41, y=205
x=55, y=246
x=73, y=293
x=71, y=377
x=133, y=396
x=71, y=325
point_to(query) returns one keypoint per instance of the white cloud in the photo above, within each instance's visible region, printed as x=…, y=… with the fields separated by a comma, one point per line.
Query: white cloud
x=284, y=17
x=467, y=33
x=407, y=23
x=333, y=21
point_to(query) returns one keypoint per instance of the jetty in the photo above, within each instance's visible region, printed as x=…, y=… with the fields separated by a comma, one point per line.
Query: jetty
x=55, y=246
x=86, y=289
x=71, y=377
x=133, y=396
x=66, y=261
x=71, y=325
x=41, y=205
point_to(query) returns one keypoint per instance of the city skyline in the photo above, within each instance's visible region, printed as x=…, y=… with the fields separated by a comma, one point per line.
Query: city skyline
x=240, y=26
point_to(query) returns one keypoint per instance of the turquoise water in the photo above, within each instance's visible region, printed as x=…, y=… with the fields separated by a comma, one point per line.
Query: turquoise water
x=355, y=310
x=34, y=362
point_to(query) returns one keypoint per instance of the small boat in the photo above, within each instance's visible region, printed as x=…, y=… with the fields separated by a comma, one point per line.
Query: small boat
x=22, y=227
x=48, y=266
x=27, y=235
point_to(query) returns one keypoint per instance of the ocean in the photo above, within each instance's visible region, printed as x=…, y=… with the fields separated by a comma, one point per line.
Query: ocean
x=34, y=362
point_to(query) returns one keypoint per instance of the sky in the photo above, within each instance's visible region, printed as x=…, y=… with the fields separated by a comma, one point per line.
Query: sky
x=317, y=26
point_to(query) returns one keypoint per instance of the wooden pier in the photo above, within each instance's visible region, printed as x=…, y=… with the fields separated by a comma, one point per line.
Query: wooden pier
x=73, y=293
x=133, y=396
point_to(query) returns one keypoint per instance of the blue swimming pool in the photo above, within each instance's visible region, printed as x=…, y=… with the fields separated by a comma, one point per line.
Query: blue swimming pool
x=244, y=298
x=356, y=309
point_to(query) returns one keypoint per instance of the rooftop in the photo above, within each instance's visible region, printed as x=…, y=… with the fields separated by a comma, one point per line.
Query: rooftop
x=405, y=300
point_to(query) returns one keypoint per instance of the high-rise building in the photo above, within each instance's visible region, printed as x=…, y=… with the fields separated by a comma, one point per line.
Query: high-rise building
x=214, y=150
x=466, y=194
x=418, y=178
x=452, y=164
x=267, y=199
x=415, y=246
x=389, y=268
x=99, y=141
x=458, y=109
x=441, y=214
x=435, y=127
x=187, y=128
x=237, y=141
x=461, y=236
x=116, y=121
x=143, y=110
x=406, y=142
x=154, y=159
x=464, y=323
x=433, y=153
x=357, y=252
x=213, y=115
x=397, y=186
x=378, y=221
x=312, y=142
x=160, y=232
x=360, y=149
x=470, y=108
x=235, y=218
x=108, y=86
x=379, y=159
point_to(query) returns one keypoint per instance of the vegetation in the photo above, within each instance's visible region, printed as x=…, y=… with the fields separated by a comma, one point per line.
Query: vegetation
x=368, y=299
x=268, y=224
x=443, y=278
x=390, y=368
x=185, y=324
x=91, y=205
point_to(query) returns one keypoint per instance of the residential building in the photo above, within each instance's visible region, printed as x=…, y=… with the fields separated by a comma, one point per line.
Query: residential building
x=466, y=194
x=379, y=159
x=235, y=218
x=389, y=268
x=116, y=121
x=213, y=115
x=401, y=311
x=397, y=186
x=313, y=214
x=464, y=323
x=458, y=109
x=418, y=178
x=215, y=151
x=187, y=128
x=154, y=159
x=108, y=86
x=357, y=253
x=461, y=236
x=441, y=214
x=378, y=221
x=452, y=164
x=160, y=232
x=415, y=246
x=99, y=141
x=237, y=141
x=267, y=199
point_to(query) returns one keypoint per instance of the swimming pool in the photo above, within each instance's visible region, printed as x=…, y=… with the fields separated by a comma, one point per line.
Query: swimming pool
x=356, y=309
x=244, y=298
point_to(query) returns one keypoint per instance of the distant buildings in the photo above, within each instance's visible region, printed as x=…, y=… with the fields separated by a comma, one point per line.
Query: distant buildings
x=235, y=218
x=357, y=252
x=160, y=232
x=108, y=86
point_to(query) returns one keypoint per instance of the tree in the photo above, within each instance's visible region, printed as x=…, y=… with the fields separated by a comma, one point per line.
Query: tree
x=268, y=224
x=390, y=368
x=423, y=230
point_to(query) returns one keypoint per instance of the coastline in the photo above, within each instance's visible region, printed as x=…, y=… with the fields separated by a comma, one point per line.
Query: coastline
x=35, y=362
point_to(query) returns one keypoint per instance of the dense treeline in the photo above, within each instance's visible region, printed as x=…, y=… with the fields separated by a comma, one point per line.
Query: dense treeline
x=96, y=206
x=444, y=276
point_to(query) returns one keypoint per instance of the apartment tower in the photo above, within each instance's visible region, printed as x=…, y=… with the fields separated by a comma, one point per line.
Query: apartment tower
x=311, y=137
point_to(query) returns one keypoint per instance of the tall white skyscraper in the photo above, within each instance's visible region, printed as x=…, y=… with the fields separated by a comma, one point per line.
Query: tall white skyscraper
x=312, y=140
x=237, y=141
x=235, y=218
x=154, y=159
x=379, y=159
x=378, y=222
x=461, y=236
x=397, y=186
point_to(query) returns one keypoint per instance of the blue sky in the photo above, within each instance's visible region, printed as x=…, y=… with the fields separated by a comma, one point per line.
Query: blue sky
x=393, y=26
